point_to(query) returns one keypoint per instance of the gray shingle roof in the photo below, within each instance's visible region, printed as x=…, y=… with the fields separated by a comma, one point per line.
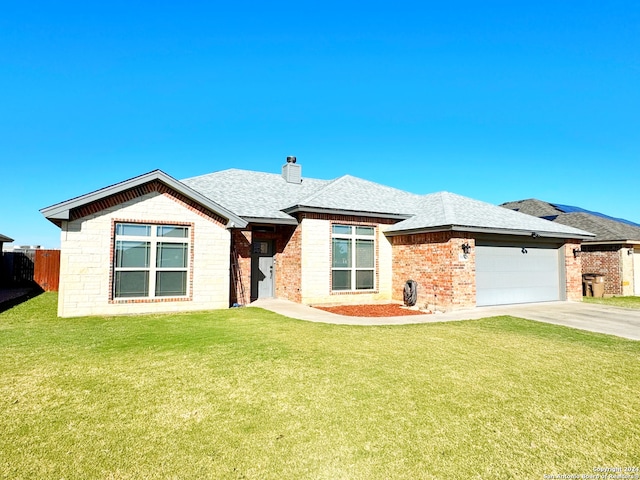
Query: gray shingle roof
x=358, y=195
x=605, y=229
x=254, y=194
x=268, y=197
x=448, y=209
x=534, y=207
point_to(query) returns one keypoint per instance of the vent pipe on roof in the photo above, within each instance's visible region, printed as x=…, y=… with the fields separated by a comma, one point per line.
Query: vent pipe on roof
x=292, y=172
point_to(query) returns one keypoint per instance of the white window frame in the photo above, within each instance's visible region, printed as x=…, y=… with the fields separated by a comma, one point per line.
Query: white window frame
x=353, y=237
x=153, y=239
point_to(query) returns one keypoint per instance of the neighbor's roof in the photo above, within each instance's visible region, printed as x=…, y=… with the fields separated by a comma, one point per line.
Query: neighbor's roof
x=456, y=212
x=605, y=228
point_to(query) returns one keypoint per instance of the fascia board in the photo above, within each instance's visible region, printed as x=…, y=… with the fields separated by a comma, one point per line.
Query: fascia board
x=499, y=231
x=271, y=221
x=613, y=242
x=335, y=211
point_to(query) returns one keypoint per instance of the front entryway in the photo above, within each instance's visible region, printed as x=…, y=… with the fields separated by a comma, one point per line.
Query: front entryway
x=262, y=274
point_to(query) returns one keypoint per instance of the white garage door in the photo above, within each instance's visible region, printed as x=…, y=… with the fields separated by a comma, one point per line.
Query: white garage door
x=517, y=274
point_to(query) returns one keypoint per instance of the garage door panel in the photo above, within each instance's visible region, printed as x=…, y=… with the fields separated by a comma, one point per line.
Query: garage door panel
x=507, y=274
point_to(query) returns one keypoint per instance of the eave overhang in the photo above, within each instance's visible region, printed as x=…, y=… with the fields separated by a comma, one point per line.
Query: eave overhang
x=271, y=221
x=613, y=242
x=354, y=213
x=488, y=230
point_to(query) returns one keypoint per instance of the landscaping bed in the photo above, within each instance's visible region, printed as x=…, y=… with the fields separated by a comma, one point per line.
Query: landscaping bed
x=374, y=310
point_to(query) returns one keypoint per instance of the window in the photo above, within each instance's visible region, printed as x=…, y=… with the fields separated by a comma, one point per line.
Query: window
x=150, y=261
x=353, y=258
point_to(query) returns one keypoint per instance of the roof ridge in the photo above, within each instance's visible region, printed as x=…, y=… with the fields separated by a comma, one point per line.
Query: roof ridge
x=315, y=194
x=449, y=211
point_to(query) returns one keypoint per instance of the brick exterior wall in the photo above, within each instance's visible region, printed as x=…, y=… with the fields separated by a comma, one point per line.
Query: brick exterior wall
x=446, y=280
x=288, y=263
x=573, y=272
x=240, y=267
x=86, y=259
x=605, y=260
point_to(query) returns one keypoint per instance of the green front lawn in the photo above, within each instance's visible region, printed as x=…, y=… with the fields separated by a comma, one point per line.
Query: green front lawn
x=245, y=393
x=627, y=302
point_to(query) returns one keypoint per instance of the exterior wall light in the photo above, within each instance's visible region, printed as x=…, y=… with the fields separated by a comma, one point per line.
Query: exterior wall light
x=466, y=248
x=630, y=251
x=576, y=252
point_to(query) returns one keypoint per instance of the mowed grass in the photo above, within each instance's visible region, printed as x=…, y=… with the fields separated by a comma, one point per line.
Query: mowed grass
x=246, y=393
x=627, y=302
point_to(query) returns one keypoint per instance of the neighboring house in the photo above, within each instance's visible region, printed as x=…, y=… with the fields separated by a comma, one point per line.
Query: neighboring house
x=4, y=239
x=156, y=244
x=613, y=252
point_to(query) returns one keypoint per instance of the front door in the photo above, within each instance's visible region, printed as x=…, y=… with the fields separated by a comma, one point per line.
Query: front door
x=262, y=274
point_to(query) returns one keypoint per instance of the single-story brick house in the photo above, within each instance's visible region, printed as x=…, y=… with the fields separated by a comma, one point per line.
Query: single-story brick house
x=156, y=244
x=614, y=251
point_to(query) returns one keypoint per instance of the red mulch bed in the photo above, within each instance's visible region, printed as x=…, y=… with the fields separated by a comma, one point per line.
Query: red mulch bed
x=383, y=310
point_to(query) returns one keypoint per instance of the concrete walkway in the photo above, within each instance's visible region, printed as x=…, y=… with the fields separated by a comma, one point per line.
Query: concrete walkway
x=621, y=322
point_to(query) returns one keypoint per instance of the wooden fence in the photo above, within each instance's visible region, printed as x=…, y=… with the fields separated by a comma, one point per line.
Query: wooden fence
x=46, y=269
x=28, y=267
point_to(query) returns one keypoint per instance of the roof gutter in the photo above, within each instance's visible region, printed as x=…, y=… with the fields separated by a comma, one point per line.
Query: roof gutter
x=334, y=211
x=271, y=221
x=500, y=231
x=613, y=242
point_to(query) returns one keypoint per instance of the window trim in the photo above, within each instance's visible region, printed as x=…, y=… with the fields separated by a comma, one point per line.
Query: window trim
x=154, y=239
x=353, y=238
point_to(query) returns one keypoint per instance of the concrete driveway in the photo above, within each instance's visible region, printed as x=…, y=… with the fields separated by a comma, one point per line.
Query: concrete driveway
x=621, y=322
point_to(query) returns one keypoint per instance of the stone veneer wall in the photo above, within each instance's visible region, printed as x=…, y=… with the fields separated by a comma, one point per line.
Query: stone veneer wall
x=315, y=246
x=446, y=280
x=627, y=282
x=87, y=255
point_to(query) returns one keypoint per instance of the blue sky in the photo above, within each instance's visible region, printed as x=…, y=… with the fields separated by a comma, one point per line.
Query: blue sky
x=498, y=101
